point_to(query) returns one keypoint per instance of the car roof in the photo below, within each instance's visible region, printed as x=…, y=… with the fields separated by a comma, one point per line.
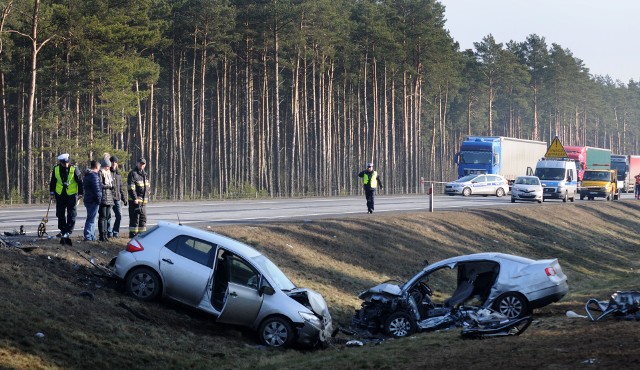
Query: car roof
x=230, y=244
x=490, y=256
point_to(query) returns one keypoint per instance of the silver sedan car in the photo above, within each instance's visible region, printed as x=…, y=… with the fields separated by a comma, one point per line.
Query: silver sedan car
x=478, y=184
x=224, y=277
x=527, y=188
x=508, y=284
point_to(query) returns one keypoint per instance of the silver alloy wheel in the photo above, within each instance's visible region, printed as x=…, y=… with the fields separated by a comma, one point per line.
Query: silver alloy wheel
x=500, y=192
x=511, y=306
x=143, y=284
x=399, y=325
x=276, y=333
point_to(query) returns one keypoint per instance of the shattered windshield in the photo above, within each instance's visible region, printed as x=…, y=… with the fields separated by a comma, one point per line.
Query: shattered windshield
x=475, y=157
x=275, y=274
x=550, y=173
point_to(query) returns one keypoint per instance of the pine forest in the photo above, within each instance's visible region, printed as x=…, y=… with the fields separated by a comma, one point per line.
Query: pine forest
x=279, y=98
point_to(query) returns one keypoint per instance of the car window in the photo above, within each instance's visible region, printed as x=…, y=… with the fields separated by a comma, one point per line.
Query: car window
x=194, y=249
x=242, y=273
x=481, y=179
x=494, y=179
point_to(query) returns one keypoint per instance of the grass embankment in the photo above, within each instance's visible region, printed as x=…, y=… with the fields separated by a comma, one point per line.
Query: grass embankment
x=596, y=243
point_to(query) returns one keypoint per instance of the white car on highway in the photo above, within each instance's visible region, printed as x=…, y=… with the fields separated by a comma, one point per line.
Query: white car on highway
x=527, y=188
x=480, y=184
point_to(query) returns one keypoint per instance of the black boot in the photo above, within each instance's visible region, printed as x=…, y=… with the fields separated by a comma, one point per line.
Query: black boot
x=102, y=237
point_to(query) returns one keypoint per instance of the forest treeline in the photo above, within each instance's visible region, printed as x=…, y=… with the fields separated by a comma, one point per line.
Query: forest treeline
x=279, y=97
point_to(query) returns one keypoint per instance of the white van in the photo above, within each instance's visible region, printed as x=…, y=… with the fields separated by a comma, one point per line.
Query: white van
x=558, y=177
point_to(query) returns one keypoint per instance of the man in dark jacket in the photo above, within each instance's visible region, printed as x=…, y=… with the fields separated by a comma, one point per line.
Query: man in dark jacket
x=139, y=189
x=92, y=196
x=119, y=195
x=370, y=180
x=66, y=186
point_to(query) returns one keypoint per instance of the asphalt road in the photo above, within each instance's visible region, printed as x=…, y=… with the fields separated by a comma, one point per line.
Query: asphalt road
x=265, y=210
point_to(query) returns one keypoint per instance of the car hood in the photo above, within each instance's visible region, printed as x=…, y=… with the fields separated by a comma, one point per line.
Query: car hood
x=384, y=289
x=310, y=299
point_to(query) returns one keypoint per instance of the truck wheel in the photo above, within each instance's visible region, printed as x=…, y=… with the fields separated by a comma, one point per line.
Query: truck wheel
x=466, y=192
x=590, y=198
x=581, y=196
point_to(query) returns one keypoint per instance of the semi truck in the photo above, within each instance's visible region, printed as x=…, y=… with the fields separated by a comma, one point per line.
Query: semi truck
x=499, y=155
x=589, y=158
x=620, y=163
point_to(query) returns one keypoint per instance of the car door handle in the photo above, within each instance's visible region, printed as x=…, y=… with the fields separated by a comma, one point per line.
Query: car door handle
x=167, y=260
x=233, y=294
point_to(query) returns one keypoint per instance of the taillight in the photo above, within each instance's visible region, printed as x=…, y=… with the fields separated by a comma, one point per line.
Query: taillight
x=134, y=246
x=550, y=271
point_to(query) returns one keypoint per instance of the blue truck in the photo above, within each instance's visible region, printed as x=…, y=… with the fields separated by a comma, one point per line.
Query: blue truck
x=499, y=155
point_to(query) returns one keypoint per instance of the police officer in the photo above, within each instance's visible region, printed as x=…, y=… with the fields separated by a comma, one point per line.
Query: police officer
x=139, y=191
x=66, y=186
x=370, y=180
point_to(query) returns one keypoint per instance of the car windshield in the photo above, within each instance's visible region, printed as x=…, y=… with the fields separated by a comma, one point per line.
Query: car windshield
x=276, y=275
x=596, y=176
x=550, y=173
x=475, y=157
x=527, y=181
x=466, y=178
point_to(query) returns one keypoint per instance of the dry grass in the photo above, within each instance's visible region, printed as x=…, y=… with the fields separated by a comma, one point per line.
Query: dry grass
x=596, y=243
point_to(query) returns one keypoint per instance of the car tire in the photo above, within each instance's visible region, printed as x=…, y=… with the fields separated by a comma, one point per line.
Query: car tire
x=143, y=283
x=500, y=192
x=276, y=332
x=466, y=192
x=590, y=198
x=540, y=201
x=512, y=305
x=564, y=198
x=399, y=325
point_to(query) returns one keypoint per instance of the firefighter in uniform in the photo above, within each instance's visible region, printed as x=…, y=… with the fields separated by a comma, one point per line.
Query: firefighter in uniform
x=139, y=190
x=370, y=180
x=66, y=186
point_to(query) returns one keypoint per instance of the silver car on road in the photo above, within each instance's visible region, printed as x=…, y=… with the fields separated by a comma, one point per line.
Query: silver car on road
x=478, y=184
x=224, y=277
x=527, y=188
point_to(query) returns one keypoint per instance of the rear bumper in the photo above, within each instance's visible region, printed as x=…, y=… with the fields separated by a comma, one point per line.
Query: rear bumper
x=549, y=295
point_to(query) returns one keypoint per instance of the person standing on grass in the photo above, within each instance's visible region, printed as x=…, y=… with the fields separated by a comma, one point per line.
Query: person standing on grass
x=92, y=197
x=119, y=196
x=66, y=186
x=370, y=180
x=104, y=212
x=139, y=191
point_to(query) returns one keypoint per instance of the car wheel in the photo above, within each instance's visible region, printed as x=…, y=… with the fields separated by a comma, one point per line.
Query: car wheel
x=143, y=283
x=564, y=198
x=540, y=201
x=500, y=192
x=466, y=192
x=512, y=305
x=399, y=324
x=276, y=332
x=513, y=200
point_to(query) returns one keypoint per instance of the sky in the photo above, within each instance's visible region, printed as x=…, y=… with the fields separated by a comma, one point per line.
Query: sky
x=605, y=35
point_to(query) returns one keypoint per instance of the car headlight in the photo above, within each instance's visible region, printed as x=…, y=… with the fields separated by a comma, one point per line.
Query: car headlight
x=310, y=318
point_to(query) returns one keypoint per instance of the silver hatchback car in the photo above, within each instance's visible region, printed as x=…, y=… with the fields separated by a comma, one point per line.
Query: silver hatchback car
x=527, y=188
x=226, y=278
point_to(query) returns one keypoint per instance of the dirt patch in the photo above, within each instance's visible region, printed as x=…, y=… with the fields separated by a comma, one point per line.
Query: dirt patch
x=87, y=321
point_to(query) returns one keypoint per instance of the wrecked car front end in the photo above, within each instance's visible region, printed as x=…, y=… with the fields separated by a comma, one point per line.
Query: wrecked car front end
x=317, y=325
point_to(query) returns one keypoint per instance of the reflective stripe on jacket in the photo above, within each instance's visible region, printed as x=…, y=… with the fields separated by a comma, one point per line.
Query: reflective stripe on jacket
x=72, y=185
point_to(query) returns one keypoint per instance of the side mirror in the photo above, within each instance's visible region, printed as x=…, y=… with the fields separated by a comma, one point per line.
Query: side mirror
x=266, y=289
x=569, y=178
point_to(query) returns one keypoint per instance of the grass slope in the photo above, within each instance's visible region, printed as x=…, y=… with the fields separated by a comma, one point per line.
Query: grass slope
x=88, y=322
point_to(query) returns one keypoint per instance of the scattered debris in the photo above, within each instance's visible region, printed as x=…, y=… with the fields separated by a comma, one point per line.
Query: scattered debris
x=622, y=305
x=590, y=361
x=87, y=295
x=135, y=313
x=42, y=228
x=574, y=315
x=39, y=335
x=354, y=343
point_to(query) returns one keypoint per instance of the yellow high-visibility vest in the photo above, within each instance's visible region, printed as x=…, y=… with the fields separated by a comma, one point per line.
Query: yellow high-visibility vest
x=372, y=181
x=72, y=185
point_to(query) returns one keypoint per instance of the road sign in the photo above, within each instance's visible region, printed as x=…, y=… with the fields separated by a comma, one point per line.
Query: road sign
x=556, y=150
